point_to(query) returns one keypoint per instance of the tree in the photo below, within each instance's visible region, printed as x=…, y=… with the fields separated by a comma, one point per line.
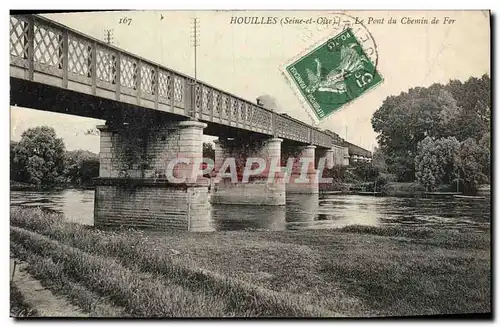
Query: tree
x=208, y=150
x=439, y=111
x=485, y=160
x=40, y=155
x=379, y=160
x=81, y=166
x=17, y=171
x=474, y=98
x=365, y=170
x=436, y=161
x=405, y=120
x=469, y=162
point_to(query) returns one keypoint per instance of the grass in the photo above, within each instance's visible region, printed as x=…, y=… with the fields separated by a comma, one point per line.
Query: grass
x=355, y=271
x=143, y=295
x=240, y=298
x=52, y=276
x=18, y=306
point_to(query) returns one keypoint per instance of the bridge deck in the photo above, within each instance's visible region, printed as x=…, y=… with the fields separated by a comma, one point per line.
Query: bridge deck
x=50, y=53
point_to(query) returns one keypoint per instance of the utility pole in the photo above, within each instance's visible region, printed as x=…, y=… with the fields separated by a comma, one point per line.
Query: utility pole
x=195, y=41
x=108, y=36
x=195, y=34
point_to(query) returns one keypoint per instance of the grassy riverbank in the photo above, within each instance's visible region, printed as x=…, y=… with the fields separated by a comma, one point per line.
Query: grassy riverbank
x=18, y=306
x=355, y=271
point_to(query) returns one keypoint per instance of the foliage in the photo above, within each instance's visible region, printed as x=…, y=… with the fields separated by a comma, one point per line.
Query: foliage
x=469, y=161
x=38, y=158
x=17, y=171
x=379, y=160
x=436, y=161
x=461, y=110
x=365, y=170
x=81, y=166
x=405, y=120
x=474, y=98
x=485, y=159
x=382, y=180
x=338, y=175
x=208, y=150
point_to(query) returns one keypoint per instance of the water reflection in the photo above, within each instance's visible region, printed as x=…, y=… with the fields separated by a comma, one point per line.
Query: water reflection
x=301, y=211
x=248, y=217
x=337, y=211
x=76, y=205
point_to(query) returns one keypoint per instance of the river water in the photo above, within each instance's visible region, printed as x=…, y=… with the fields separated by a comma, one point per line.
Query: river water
x=301, y=211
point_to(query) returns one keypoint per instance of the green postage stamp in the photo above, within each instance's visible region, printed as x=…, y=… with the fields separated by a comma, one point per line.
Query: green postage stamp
x=333, y=74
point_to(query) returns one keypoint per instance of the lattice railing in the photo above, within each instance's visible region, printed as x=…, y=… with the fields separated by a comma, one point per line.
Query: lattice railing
x=19, y=37
x=43, y=47
x=79, y=56
x=290, y=129
x=166, y=89
x=48, y=54
x=320, y=138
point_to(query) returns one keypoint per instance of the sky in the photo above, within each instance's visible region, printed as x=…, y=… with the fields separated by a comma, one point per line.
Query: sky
x=246, y=60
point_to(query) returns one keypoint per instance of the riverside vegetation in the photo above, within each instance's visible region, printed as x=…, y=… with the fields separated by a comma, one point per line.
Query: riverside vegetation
x=355, y=271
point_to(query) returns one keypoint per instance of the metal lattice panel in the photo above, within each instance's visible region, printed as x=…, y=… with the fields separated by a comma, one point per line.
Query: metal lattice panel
x=48, y=46
x=263, y=121
x=147, y=78
x=281, y=128
x=206, y=99
x=258, y=118
x=250, y=109
x=18, y=37
x=299, y=131
x=79, y=56
x=197, y=96
x=242, y=108
x=165, y=85
x=105, y=65
x=223, y=110
x=326, y=140
x=128, y=72
x=234, y=108
x=178, y=89
x=316, y=137
x=225, y=106
x=268, y=119
x=217, y=103
x=321, y=139
x=291, y=129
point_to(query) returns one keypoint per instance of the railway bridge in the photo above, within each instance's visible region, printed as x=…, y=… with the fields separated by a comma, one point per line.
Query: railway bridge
x=153, y=115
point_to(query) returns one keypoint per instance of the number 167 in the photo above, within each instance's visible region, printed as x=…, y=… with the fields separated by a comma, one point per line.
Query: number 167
x=125, y=20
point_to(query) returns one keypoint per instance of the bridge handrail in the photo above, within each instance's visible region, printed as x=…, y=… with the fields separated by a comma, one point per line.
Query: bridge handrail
x=183, y=87
x=107, y=45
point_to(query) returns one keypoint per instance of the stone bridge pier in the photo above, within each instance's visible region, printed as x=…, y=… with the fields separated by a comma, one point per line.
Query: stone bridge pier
x=247, y=170
x=146, y=178
x=283, y=169
x=300, y=168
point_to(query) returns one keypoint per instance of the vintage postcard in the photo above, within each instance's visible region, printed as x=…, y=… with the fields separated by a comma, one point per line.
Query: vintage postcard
x=239, y=163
